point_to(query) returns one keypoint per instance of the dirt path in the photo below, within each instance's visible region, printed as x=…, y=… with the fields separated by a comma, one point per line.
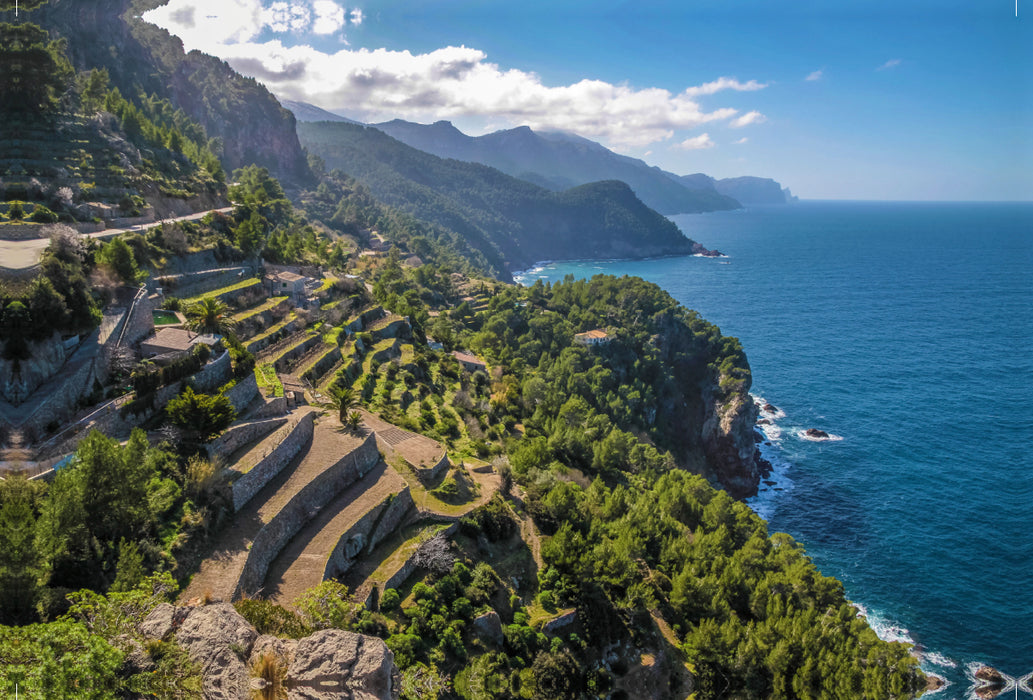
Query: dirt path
x=221, y=570
x=301, y=564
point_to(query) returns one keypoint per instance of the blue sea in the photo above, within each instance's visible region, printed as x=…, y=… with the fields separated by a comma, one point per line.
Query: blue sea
x=905, y=331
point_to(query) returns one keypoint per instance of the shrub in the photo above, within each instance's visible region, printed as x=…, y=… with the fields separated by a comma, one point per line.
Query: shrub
x=16, y=212
x=389, y=600
x=42, y=215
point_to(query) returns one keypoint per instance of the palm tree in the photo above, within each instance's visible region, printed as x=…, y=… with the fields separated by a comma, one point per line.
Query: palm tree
x=209, y=316
x=343, y=399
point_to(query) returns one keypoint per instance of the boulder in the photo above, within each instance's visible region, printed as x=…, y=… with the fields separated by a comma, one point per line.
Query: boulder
x=557, y=623
x=219, y=639
x=769, y=408
x=815, y=433
x=160, y=622
x=763, y=421
x=990, y=676
x=334, y=664
x=489, y=627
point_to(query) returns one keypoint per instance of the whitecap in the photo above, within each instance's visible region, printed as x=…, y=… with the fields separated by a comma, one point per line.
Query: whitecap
x=770, y=415
x=774, y=485
x=885, y=629
x=935, y=658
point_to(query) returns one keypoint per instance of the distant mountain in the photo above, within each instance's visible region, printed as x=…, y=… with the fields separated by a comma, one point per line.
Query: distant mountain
x=558, y=161
x=305, y=112
x=514, y=223
x=747, y=189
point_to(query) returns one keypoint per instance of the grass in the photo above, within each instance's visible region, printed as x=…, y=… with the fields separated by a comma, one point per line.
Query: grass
x=243, y=284
x=275, y=328
x=248, y=313
x=268, y=381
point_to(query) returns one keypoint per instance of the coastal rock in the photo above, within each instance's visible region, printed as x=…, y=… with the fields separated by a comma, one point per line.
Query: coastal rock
x=815, y=433
x=769, y=408
x=990, y=676
x=728, y=429
x=763, y=421
x=933, y=682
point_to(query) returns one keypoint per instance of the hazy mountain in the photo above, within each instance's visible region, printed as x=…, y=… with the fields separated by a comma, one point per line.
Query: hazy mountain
x=305, y=112
x=558, y=161
x=512, y=221
x=747, y=189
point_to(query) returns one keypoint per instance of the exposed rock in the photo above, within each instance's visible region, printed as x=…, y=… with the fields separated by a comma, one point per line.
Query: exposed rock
x=161, y=621
x=281, y=648
x=558, y=623
x=728, y=430
x=137, y=660
x=933, y=682
x=328, y=664
x=763, y=421
x=489, y=627
x=769, y=408
x=990, y=676
x=333, y=664
x=815, y=433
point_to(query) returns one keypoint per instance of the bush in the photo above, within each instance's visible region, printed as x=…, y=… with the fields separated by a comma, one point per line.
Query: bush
x=389, y=600
x=269, y=618
x=16, y=212
x=42, y=215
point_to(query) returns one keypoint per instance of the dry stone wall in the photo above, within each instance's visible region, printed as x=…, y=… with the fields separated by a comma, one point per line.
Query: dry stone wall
x=371, y=529
x=275, y=535
x=247, y=485
x=243, y=393
x=241, y=434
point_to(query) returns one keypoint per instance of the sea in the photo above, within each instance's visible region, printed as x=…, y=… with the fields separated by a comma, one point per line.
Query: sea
x=904, y=331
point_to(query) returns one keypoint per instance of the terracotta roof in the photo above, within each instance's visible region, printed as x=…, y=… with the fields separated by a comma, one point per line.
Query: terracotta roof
x=592, y=334
x=464, y=357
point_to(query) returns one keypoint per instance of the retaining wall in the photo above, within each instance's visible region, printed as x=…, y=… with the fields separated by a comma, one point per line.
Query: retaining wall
x=243, y=393
x=295, y=437
x=213, y=375
x=284, y=361
x=369, y=531
x=241, y=434
x=428, y=475
x=275, y=535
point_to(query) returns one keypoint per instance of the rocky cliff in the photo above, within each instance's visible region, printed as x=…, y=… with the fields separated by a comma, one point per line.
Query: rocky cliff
x=728, y=440
x=329, y=664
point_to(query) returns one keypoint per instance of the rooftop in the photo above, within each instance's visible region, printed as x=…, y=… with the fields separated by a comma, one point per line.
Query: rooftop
x=171, y=339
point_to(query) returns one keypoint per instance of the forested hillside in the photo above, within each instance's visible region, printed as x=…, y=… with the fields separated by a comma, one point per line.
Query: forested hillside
x=242, y=117
x=508, y=220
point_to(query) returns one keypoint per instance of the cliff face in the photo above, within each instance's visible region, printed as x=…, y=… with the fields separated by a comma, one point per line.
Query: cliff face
x=140, y=57
x=728, y=442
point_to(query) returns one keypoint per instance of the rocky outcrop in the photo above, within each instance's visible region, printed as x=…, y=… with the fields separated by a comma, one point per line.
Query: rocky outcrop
x=728, y=443
x=18, y=379
x=327, y=664
x=816, y=433
x=334, y=664
x=489, y=627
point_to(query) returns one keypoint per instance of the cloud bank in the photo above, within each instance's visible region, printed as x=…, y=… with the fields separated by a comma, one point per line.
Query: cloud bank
x=448, y=83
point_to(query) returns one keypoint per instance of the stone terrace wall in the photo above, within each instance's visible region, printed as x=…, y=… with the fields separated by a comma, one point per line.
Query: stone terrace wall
x=194, y=283
x=371, y=529
x=214, y=374
x=428, y=475
x=247, y=485
x=241, y=434
x=406, y=570
x=243, y=393
x=275, y=535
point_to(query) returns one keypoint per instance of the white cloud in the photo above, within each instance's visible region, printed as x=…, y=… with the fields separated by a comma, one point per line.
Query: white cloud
x=696, y=143
x=816, y=75
x=742, y=140
x=448, y=83
x=330, y=17
x=753, y=117
x=892, y=63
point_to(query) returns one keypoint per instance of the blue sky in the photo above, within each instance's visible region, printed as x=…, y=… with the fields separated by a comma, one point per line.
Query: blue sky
x=913, y=99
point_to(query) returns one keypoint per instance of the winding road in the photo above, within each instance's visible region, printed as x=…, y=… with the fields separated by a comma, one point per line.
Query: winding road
x=24, y=255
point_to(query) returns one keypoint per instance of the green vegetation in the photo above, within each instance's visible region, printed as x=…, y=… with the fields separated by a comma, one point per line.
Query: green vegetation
x=268, y=381
x=505, y=219
x=202, y=415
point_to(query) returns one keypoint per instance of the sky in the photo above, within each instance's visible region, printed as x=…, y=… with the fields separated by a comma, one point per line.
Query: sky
x=872, y=99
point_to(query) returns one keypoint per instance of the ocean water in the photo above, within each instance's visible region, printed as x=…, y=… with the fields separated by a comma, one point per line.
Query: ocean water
x=905, y=330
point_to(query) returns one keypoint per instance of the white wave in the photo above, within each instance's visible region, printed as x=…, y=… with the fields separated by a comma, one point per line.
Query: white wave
x=885, y=629
x=772, y=486
x=935, y=658
x=802, y=434
x=761, y=402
